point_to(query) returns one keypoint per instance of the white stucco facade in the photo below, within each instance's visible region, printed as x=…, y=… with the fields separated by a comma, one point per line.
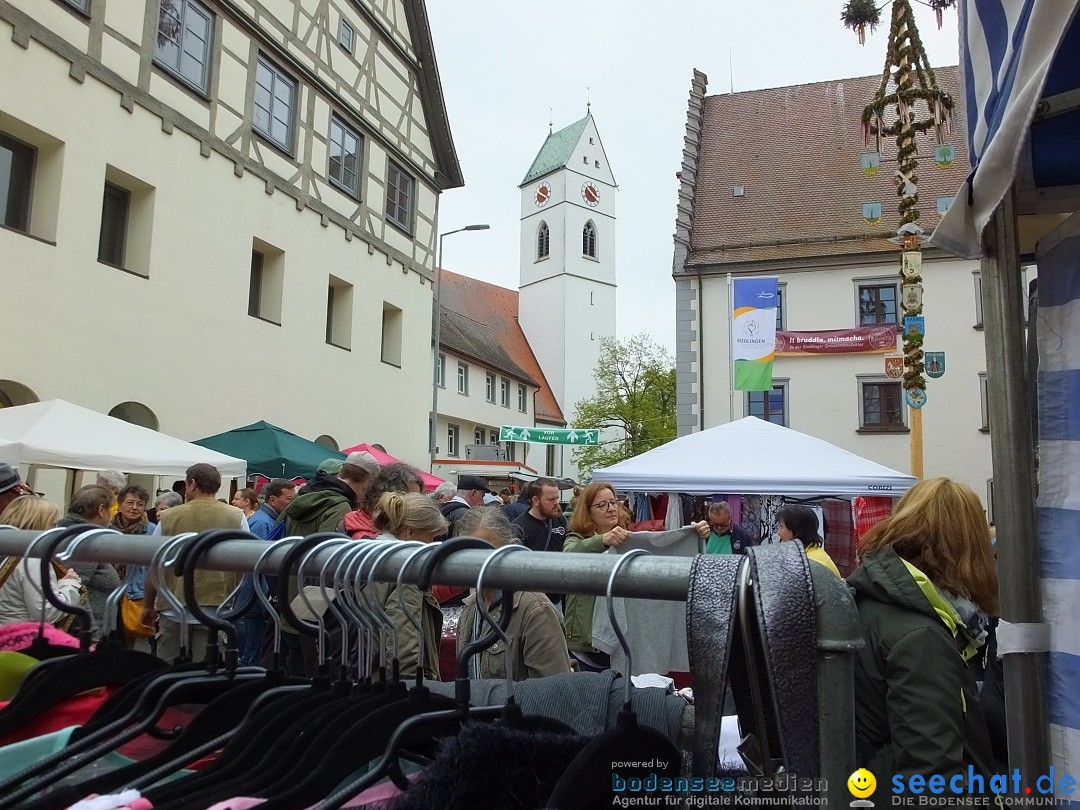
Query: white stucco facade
x=334, y=339
x=821, y=394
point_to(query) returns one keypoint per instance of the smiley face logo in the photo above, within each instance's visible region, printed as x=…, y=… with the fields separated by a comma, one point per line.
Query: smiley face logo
x=862, y=783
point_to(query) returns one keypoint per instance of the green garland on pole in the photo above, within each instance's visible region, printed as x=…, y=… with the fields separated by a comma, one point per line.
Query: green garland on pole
x=919, y=106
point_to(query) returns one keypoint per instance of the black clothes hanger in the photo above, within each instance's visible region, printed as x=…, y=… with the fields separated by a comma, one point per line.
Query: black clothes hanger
x=421, y=730
x=588, y=782
x=66, y=677
x=208, y=732
x=180, y=688
x=243, y=761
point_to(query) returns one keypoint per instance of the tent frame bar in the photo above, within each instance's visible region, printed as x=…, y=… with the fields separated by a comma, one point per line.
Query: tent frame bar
x=1004, y=305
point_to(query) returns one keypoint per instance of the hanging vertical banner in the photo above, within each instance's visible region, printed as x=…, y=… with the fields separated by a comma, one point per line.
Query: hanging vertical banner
x=753, y=332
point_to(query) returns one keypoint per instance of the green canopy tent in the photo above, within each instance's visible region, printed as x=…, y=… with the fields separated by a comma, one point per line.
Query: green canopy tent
x=271, y=451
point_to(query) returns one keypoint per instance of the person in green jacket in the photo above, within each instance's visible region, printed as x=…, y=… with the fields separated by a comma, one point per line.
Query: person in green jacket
x=925, y=588
x=598, y=523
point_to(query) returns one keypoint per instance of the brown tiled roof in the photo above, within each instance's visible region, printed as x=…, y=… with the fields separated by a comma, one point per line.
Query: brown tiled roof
x=480, y=320
x=796, y=152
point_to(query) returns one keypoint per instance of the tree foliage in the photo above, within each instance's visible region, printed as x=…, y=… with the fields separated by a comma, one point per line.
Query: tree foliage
x=634, y=403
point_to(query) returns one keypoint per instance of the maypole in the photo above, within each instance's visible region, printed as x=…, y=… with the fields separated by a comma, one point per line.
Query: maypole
x=910, y=92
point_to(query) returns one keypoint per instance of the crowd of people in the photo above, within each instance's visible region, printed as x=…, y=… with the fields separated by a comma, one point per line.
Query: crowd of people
x=925, y=591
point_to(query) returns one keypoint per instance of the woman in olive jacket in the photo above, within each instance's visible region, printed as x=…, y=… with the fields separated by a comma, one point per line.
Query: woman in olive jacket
x=598, y=523
x=924, y=590
x=537, y=644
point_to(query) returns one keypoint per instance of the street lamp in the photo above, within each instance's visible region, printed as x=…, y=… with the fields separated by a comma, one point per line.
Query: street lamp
x=432, y=430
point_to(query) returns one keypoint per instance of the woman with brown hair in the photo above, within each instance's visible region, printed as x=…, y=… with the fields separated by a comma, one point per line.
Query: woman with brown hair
x=925, y=587
x=598, y=523
x=246, y=501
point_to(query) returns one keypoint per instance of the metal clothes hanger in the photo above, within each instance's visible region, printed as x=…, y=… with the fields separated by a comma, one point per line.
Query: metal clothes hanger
x=323, y=637
x=380, y=610
x=586, y=783
x=485, y=613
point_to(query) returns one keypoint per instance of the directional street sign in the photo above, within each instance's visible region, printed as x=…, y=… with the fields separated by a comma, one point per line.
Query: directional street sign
x=508, y=433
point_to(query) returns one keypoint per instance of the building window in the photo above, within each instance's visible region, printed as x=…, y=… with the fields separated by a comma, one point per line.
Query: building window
x=440, y=371
x=881, y=405
x=399, y=196
x=339, y=313
x=463, y=378
x=16, y=182
x=990, y=501
x=114, y=223
x=266, y=282
x=344, y=157
x=184, y=31
x=511, y=451
x=346, y=36
x=275, y=100
x=504, y=392
x=781, y=316
x=978, y=300
x=877, y=304
x=391, y=334
x=81, y=5
x=523, y=398
x=984, y=402
x=588, y=240
x=478, y=436
x=771, y=405
x=543, y=241
x=452, y=434
x=489, y=389
x=549, y=460
x=493, y=437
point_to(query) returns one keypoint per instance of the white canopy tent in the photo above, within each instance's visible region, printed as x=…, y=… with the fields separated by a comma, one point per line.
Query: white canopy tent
x=58, y=434
x=753, y=457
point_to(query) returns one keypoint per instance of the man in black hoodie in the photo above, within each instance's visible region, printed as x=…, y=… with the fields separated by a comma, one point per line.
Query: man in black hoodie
x=471, y=490
x=320, y=507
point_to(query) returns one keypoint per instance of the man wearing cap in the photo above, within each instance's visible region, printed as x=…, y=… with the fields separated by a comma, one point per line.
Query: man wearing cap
x=471, y=490
x=320, y=507
x=11, y=485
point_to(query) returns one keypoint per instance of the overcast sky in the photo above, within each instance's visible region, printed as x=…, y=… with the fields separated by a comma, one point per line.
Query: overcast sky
x=504, y=64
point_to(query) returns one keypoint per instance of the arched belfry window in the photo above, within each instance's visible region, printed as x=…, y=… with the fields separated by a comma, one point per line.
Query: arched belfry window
x=543, y=241
x=588, y=240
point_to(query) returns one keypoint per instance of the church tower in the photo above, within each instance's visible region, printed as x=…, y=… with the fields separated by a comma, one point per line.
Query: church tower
x=566, y=299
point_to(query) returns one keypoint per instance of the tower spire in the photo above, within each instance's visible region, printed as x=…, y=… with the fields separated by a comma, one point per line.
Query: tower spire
x=588, y=100
x=551, y=120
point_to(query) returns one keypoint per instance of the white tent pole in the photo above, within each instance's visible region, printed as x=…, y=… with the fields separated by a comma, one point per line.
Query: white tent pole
x=730, y=347
x=1004, y=304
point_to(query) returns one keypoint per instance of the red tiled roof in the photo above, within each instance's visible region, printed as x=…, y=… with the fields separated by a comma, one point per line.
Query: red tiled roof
x=496, y=309
x=796, y=152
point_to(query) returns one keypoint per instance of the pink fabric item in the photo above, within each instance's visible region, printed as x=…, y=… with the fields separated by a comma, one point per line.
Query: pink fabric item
x=237, y=803
x=430, y=481
x=141, y=804
x=17, y=637
x=378, y=797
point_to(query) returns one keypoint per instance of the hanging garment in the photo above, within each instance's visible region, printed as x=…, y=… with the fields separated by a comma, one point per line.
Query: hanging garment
x=653, y=629
x=840, y=537
x=868, y=511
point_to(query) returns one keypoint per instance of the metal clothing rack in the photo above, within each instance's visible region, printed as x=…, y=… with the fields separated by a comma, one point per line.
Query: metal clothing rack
x=644, y=577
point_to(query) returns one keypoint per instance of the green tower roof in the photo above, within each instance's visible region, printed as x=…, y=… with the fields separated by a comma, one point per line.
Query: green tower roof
x=556, y=150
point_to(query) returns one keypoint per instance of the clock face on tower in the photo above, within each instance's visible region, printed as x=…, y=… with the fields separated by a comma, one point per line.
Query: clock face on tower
x=591, y=195
x=543, y=194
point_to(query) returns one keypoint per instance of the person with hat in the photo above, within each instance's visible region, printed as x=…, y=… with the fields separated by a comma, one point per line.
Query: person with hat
x=11, y=485
x=471, y=490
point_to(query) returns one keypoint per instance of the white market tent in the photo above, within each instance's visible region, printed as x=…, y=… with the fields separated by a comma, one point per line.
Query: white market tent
x=58, y=434
x=753, y=457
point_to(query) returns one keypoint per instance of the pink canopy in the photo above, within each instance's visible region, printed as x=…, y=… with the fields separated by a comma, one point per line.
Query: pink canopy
x=430, y=481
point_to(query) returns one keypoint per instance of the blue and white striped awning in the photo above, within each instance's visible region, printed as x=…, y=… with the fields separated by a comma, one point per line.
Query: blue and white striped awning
x=1017, y=57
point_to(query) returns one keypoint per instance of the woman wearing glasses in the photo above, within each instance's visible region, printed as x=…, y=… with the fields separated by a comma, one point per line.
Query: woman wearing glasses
x=598, y=523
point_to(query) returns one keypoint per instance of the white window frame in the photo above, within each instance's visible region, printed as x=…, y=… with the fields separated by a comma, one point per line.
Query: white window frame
x=463, y=378
x=346, y=41
x=984, y=401
x=453, y=441
x=440, y=370
x=781, y=309
x=504, y=392
x=394, y=175
x=489, y=387
x=523, y=399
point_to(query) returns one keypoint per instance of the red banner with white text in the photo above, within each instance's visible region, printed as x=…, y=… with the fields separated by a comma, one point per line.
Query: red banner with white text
x=861, y=340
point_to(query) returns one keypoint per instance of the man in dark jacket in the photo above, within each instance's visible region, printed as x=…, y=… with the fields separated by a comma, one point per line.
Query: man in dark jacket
x=471, y=490
x=321, y=507
x=543, y=527
x=726, y=536
x=917, y=709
